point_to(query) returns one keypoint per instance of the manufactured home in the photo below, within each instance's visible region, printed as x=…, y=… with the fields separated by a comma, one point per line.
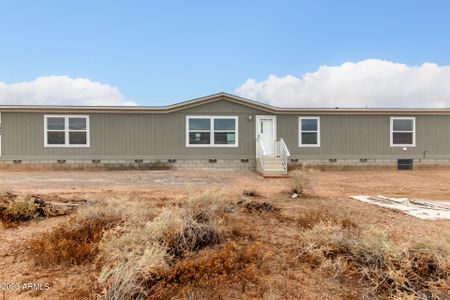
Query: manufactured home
x=222, y=131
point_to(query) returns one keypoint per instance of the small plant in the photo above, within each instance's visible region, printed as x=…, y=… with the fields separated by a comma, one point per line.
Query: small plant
x=301, y=180
x=19, y=211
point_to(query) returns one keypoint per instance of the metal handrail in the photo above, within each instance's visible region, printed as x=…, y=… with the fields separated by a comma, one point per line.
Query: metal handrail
x=283, y=152
x=285, y=147
x=260, y=151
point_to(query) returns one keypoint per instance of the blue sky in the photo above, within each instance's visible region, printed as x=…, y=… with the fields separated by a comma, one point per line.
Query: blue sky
x=161, y=52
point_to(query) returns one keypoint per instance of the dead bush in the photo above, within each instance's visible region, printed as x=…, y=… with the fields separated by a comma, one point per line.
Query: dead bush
x=71, y=243
x=7, y=197
x=14, y=210
x=251, y=206
x=310, y=218
x=301, y=180
x=251, y=193
x=75, y=241
x=19, y=211
x=385, y=268
x=129, y=254
x=204, y=274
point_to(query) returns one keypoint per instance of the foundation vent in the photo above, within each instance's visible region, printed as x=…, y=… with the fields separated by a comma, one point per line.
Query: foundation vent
x=404, y=164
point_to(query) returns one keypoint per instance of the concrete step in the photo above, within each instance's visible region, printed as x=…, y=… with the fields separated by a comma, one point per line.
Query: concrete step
x=272, y=159
x=273, y=166
x=273, y=163
x=274, y=174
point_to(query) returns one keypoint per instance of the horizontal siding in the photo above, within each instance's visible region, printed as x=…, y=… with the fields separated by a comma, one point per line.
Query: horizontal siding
x=129, y=136
x=359, y=136
x=163, y=136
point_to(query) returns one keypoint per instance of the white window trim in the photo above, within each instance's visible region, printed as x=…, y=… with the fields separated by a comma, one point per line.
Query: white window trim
x=211, y=131
x=66, y=132
x=392, y=132
x=300, y=144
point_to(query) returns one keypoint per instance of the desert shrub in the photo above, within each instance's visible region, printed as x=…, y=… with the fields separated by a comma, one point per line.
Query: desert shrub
x=182, y=233
x=251, y=193
x=301, y=180
x=130, y=252
x=385, y=268
x=19, y=211
x=76, y=241
x=310, y=218
x=207, y=272
x=14, y=210
x=256, y=206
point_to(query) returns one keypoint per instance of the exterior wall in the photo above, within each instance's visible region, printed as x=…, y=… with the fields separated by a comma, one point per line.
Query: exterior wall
x=161, y=136
x=129, y=136
x=367, y=137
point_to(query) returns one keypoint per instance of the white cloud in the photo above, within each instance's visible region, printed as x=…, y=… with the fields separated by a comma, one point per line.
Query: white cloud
x=372, y=83
x=61, y=90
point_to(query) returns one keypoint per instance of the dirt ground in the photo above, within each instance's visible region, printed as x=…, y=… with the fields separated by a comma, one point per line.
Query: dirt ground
x=424, y=184
x=331, y=192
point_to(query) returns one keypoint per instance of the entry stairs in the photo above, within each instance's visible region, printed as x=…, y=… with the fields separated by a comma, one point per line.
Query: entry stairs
x=275, y=165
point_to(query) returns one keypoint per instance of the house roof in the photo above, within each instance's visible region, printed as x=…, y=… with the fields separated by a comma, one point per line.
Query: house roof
x=216, y=97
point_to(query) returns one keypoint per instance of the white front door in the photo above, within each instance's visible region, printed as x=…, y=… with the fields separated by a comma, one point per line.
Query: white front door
x=265, y=130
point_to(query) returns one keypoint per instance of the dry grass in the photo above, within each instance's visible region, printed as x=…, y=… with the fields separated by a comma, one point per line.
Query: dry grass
x=252, y=206
x=76, y=241
x=212, y=274
x=385, y=268
x=302, y=180
x=310, y=218
x=130, y=254
x=251, y=193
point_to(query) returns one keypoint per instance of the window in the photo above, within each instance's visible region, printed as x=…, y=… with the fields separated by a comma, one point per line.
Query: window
x=205, y=131
x=403, y=132
x=66, y=131
x=309, y=131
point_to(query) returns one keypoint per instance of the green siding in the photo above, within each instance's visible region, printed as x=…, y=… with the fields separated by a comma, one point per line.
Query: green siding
x=129, y=135
x=367, y=136
x=163, y=136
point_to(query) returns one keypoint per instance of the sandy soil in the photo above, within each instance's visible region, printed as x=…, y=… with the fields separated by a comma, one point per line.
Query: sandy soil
x=331, y=192
x=424, y=184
